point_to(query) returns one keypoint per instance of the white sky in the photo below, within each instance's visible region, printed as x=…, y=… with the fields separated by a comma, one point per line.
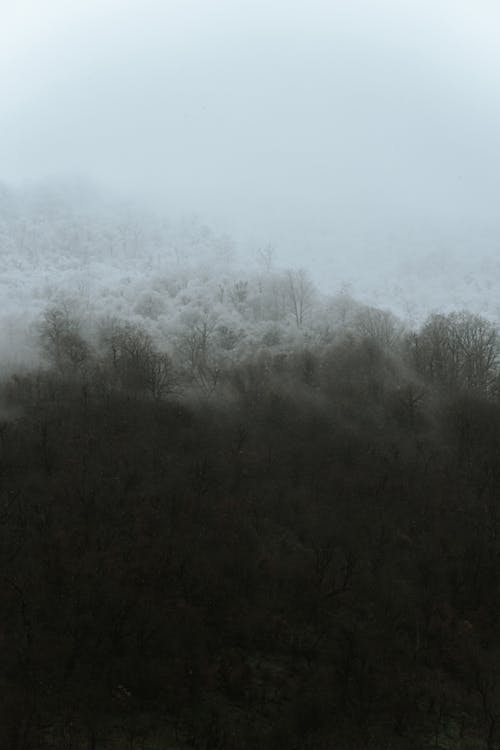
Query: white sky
x=319, y=121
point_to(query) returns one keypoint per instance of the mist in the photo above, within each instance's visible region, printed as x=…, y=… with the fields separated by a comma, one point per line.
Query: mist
x=330, y=129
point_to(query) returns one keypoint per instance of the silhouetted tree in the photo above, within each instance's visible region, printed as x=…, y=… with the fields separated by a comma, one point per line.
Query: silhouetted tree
x=60, y=340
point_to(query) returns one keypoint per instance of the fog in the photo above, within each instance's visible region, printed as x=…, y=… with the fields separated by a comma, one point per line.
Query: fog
x=331, y=129
x=249, y=374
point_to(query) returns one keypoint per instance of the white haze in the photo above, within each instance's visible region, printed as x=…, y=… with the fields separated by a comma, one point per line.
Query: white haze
x=351, y=134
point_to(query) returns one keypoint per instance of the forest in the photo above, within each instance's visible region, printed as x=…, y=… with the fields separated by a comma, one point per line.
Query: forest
x=280, y=533
x=249, y=375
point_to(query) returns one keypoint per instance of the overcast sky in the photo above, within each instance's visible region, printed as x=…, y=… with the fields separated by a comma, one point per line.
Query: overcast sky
x=312, y=123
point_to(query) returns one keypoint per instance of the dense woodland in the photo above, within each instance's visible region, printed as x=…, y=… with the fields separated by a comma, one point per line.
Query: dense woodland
x=297, y=547
x=237, y=512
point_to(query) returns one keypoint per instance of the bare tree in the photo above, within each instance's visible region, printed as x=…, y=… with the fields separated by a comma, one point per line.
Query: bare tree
x=160, y=375
x=459, y=350
x=266, y=256
x=299, y=294
x=136, y=363
x=195, y=348
x=380, y=325
x=238, y=294
x=60, y=340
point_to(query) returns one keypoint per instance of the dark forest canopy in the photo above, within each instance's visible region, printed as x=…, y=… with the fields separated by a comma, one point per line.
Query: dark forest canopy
x=293, y=548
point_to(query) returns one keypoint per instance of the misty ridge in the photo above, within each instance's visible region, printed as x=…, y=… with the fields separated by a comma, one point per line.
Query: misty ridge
x=238, y=511
x=96, y=259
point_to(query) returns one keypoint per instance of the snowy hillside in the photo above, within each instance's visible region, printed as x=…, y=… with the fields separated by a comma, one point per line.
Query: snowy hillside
x=106, y=259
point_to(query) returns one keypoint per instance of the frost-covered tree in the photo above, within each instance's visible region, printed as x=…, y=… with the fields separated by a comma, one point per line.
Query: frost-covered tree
x=299, y=294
